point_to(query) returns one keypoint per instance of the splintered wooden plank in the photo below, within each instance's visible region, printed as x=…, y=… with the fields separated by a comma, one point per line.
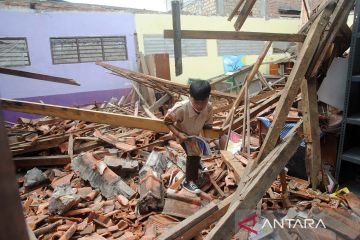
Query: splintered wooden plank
x=112, y=119
x=235, y=10
x=160, y=102
x=159, y=83
x=29, y=162
x=149, y=93
x=177, y=208
x=244, y=13
x=38, y=76
x=149, y=113
x=256, y=185
x=228, y=35
x=186, y=225
x=233, y=164
x=294, y=81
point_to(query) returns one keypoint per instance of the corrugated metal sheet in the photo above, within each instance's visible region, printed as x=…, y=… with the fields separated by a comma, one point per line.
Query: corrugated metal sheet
x=190, y=47
x=88, y=49
x=238, y=47
x=14, y=52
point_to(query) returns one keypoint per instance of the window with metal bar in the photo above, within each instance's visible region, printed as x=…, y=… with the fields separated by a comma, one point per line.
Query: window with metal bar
x=88, y=49
x=14, y=52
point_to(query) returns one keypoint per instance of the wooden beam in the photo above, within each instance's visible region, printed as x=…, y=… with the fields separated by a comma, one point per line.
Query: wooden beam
x=137, y=90
x=30, y=162
x=160, y=102
x=311, y=130
x=313, y=16
x=233, y=164
x=244, y=13
x=149, y=93
x=12, y=221
x=256, y=185
x=228, y=35
x=38, y=76
x=41, y=144
x=193, y=225
x=149, y=113
x=294, y=81
x=175, y=10
x=235, y=10
x=264, y=81
x=112, y=119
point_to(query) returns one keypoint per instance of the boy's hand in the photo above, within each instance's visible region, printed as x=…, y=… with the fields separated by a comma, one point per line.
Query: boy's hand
x=182, y=137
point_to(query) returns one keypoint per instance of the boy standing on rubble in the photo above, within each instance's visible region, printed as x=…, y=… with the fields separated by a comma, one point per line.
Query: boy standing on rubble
x=188, y=118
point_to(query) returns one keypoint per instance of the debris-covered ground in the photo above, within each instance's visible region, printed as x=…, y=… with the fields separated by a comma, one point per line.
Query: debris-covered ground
x=91, y=181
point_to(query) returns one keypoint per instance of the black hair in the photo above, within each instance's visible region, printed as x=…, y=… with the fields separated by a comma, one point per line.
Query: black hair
x=200, y=89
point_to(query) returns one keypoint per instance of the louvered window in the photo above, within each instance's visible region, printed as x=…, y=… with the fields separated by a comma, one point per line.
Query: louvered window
x=189, y=47
x=88, y=49
x=14, y=52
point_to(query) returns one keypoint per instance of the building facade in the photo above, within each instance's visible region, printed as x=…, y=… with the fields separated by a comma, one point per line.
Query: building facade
x=66, y=44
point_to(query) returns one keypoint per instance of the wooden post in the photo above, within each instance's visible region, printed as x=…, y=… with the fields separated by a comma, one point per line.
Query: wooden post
x=311, y=130
x=175, y=6
x=12, y=221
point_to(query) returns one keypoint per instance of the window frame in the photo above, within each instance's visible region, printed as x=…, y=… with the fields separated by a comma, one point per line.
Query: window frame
x=76, y=38
x=27, y=50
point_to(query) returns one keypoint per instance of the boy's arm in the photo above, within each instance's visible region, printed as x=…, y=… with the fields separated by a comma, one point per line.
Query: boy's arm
x=169, y=120
x=182, y=136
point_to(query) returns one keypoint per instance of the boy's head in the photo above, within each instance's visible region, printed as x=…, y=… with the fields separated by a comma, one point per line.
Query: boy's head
x=199, y=94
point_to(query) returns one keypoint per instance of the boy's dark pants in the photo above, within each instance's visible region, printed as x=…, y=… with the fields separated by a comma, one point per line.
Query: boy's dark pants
x=192, y=166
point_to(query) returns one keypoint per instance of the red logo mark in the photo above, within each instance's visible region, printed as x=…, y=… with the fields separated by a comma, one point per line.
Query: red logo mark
x=248, y=219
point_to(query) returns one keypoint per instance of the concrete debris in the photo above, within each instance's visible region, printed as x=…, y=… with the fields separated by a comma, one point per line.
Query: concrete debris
x=34, y=177
x=63, y=199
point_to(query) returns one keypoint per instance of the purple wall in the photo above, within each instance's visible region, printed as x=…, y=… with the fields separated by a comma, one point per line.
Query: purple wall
x=38, y=27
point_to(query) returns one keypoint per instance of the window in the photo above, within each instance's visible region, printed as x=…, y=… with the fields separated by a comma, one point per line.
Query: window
x=189, y=47
x=14, y=52
x=237, y=47
x=88, y=49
